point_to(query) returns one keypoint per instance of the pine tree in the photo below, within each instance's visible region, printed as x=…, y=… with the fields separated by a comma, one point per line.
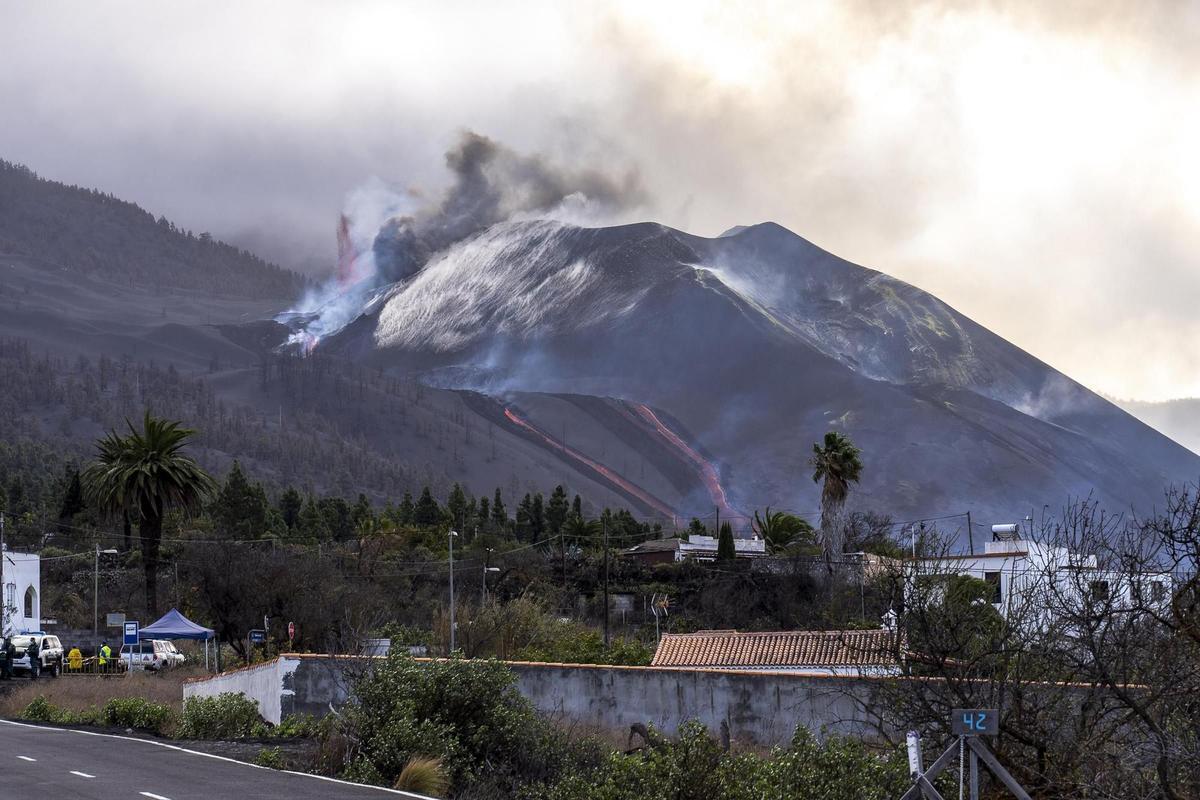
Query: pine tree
x=523, y=518
x=499, y=513
x=456, y=504
x=310, y=526
x=338, y=518
x=72, y=502
x=556, y=511
x=362, y=512
x=240, y=508
x=484, y=514
x=537, y=518
x=726, y=551
x=426, y=512
x=577, y=508
x=290, y=504
x=407, y=510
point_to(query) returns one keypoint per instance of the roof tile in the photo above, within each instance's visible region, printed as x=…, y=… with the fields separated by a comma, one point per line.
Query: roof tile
x=790, y=649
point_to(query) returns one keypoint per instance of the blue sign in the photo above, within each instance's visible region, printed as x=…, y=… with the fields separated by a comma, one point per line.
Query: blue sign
x=131, y=632
x=974, y=722
x=258, y=636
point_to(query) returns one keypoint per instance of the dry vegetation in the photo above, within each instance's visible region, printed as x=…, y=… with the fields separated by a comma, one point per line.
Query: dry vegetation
x=78, y=693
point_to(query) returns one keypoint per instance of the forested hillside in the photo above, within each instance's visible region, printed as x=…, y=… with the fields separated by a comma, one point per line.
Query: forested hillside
x=94, y=233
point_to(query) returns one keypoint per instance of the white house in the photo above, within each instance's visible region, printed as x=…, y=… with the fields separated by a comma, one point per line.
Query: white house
x=22, y=595
x=1030, y=579
x=694, y=548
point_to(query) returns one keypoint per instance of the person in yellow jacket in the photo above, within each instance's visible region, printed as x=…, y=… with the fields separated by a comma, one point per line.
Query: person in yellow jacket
x=75, y=659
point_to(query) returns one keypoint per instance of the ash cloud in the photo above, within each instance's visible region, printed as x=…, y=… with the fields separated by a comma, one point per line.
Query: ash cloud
x=386, y=236
x=493, y=183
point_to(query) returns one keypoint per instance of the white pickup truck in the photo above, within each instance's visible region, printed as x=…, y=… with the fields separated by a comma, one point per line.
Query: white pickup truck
x=151, y=655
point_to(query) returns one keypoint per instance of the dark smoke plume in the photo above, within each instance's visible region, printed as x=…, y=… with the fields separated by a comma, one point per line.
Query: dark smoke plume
x=491, y=184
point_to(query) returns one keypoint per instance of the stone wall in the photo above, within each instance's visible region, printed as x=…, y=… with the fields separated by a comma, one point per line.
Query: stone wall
x=753, y=707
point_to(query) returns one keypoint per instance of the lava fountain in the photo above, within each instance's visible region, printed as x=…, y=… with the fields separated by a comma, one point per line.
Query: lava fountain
x=609, y=475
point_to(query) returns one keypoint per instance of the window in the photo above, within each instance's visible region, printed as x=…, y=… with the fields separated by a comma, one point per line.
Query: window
x=30, y=602
x=997, y=593
x=1098, y=591
x=1158, y=591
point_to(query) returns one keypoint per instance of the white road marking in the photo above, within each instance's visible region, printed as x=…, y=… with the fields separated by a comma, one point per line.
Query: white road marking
x=177, y=748
x=153, y=796
x=26, y=758
x=82, y=774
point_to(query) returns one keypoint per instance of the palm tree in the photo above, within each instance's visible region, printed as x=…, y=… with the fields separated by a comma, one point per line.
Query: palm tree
x=142, y=476
x=837, y=463
x=781, y=530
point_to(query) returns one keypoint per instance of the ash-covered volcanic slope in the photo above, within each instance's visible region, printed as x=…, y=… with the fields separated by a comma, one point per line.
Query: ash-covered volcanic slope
x=745, y=349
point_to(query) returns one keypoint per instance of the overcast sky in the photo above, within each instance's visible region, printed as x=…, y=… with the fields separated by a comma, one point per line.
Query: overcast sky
x=1036, y=165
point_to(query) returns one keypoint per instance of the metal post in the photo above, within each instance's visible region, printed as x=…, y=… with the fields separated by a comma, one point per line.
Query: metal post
x=487, y=567
x=452, y=623
x=96, y=596
x=604, y=523
x=974, y=776
x=3, y=588
x=970, y=534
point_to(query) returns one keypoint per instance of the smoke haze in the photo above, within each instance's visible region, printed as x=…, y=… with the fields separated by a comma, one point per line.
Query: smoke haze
x=1033, y=164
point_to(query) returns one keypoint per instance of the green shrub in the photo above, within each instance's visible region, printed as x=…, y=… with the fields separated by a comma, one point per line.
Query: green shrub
x=466, y=713
x=137, y=713
x=694, y=767
x=42, y=710
x=302, y=726
x=270, y=757
x=226, y=716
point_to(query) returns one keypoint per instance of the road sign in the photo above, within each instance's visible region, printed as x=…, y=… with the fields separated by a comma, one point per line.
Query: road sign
x=116, y=620
x=974, y=722
x=258, y=636
x=131, y=632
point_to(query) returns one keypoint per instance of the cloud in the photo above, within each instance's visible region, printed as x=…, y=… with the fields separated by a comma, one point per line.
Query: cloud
x=1031, y=163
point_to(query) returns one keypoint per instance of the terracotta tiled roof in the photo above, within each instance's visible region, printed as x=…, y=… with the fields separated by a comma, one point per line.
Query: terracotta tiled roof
x=786, y=649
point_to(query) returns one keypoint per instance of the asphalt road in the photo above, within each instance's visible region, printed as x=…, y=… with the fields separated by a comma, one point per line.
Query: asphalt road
x=55, y=762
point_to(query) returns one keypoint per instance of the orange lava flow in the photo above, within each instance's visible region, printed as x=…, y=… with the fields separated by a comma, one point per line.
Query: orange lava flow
x=605, y=472
x=708, y=473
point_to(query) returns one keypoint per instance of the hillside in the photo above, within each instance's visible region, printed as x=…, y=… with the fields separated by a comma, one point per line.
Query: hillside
x=96, y=235
x=1179, y=419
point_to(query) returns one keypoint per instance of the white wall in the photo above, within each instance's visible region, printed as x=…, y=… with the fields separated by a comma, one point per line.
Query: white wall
x=22, y=582
x=266, y=684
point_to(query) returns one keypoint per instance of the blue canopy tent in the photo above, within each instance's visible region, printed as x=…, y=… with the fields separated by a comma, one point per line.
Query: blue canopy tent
x=173, y=625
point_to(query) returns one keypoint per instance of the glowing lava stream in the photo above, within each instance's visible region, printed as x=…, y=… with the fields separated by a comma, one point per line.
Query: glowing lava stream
x=708, y=473
x=608, y=474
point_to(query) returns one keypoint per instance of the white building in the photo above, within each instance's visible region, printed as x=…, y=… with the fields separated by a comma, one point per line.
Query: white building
x=694, y=548
x=22, y=592
x=1031, y=580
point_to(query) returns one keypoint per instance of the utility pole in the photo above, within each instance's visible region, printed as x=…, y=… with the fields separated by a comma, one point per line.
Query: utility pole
x=452, y=623
x=3, y=588
x=604, y=523
x=717, y=529
x=970, y=544
x=487, y=567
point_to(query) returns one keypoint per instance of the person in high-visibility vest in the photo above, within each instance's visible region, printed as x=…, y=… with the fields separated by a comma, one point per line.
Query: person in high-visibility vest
x=105, y=655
